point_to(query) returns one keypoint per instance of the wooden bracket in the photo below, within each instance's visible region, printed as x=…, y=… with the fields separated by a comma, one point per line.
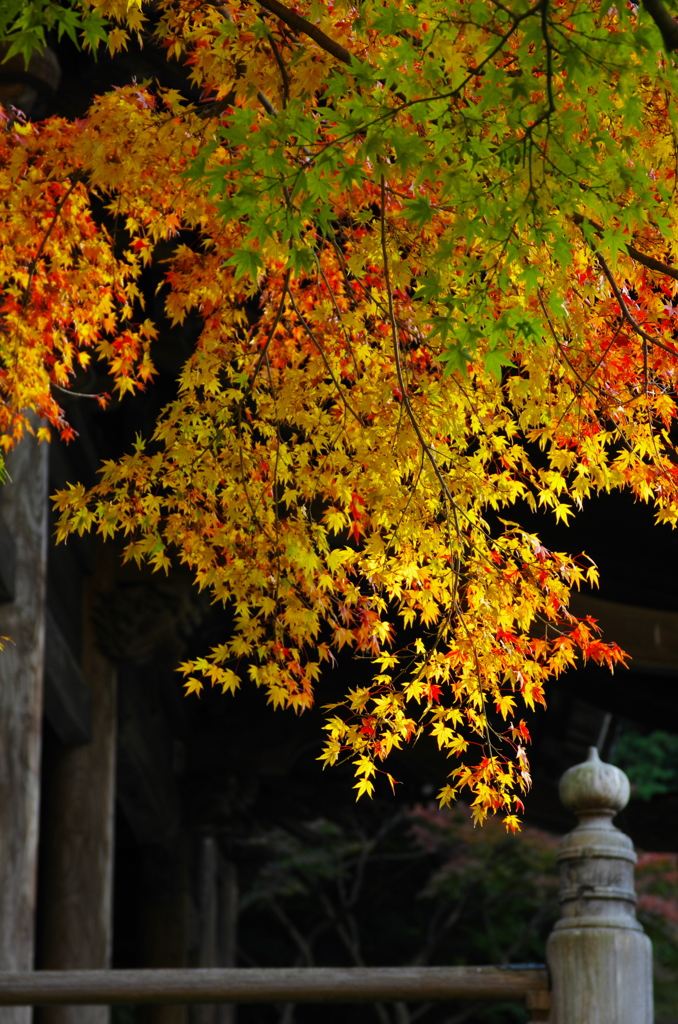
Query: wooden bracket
x=538, y=1003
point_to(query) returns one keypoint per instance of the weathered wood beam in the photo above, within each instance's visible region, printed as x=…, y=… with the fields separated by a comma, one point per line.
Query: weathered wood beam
x=270, y=985
x=7, y=564
x=648, y=635
x=228, y=929
x=68, y=701
x=167, y=923
x=78, y=845
x=217, y=914
x=24, y=513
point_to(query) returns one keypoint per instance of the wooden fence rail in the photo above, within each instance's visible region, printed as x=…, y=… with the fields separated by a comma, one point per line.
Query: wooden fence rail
x=270, y=985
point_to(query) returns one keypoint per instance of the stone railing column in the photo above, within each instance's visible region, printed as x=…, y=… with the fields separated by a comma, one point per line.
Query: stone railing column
x=598, y=955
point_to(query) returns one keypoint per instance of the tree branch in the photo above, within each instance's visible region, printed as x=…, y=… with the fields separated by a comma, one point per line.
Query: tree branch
x=651, y=263
x=633, y=323
x=299, y=24
x=640, y=257
x=665, y=22
x=76, y=178
x=283, y=70
x=321, y=350
x=425, y=446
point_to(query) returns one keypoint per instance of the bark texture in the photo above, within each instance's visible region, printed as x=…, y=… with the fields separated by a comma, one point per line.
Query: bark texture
x=24, y=512
x=79, y=848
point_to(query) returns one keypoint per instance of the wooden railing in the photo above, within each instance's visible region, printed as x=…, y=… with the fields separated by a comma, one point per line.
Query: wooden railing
x=271, y=985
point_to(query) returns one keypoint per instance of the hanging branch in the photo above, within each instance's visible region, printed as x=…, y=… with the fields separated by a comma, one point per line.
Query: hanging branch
x=640, y=257
x=665, y=22
x=299, y=24
x=76, y=178
x=399, y=369
x=648, y=339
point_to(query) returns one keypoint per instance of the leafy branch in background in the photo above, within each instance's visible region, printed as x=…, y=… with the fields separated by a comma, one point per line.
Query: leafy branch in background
x=650, y=761
x=422, y=887
x=26, y=24
x=323, y=892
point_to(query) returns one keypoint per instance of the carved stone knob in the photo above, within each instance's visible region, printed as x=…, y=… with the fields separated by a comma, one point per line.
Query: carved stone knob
x=599, y=958
x=594, y=787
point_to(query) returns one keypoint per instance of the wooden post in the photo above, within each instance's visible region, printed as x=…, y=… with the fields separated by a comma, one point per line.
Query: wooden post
x=228, y=930
x=218, y=915
x=207, y=920
x=78, y=874
x=538, y=1005
x=598, y=955
x=24, y=511
x=208, y=906
x=166, y=913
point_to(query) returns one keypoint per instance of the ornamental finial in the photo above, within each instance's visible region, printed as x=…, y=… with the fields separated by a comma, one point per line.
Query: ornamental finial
x=599, y=958
x=594, y=787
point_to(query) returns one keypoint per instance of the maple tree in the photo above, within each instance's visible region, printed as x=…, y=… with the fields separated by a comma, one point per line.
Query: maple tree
x=432, y=250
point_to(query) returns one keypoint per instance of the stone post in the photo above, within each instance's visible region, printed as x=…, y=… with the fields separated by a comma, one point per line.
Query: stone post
x=598, y=955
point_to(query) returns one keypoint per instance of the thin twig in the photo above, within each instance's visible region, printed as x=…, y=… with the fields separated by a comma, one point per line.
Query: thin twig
x=248, y=391
x=77, y=178
x=403, y=388
x=347, y=336
x=276, y=497
x=283, y=70
x=75, y=394
x=298, y=938
x=311, y=333
x=626, y=313
x=399, y=370
x=264, y=352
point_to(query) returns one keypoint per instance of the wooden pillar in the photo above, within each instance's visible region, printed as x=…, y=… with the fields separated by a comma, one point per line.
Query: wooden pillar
x=24, y=511
x=78, y=849
x=599, y=958
x=228, y=930
x=166, y=916
x=218, y=915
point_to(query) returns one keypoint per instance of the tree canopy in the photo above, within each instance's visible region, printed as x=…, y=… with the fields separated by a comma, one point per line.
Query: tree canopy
x=431, y=248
